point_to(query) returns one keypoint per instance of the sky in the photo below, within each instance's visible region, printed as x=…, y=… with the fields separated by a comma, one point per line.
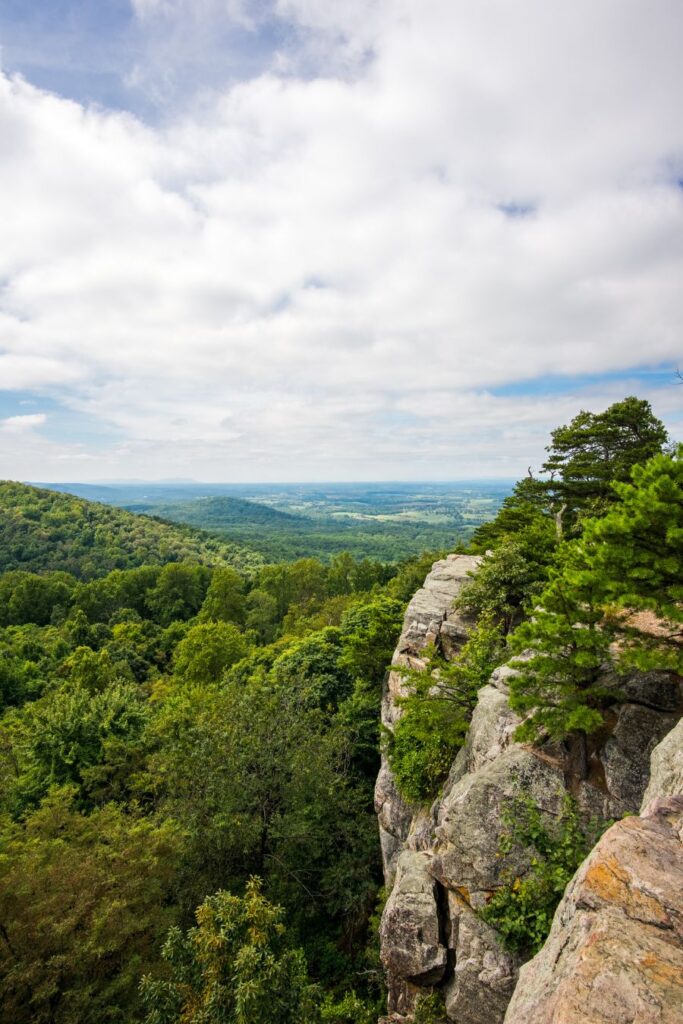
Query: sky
x=312, y=240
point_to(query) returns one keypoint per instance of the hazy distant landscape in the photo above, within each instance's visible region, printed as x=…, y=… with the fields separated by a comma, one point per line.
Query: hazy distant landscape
x=388, y=521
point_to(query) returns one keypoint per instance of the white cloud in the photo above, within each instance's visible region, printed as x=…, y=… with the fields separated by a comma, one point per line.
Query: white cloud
x=267, y=282
x=20, y=424
x=197, y=10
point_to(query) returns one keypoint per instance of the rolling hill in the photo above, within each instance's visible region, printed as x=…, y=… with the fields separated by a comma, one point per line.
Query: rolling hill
x=44, y=530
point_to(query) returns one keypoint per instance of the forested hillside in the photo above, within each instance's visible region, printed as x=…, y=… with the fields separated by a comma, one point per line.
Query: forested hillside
x=167, y=733
x=280, y=535
x=222, y=513
x=42, y=530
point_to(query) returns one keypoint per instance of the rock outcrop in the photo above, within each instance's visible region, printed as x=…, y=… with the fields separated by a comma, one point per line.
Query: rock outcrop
x=615, y=950
x=430, y=619
x=666, y=777
x=442, y=865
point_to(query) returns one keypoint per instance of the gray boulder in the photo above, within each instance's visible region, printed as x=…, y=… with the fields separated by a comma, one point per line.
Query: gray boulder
x=484, y=974
x=626, y=755
x=413, y=942
x=470, y=820
x=666, y=777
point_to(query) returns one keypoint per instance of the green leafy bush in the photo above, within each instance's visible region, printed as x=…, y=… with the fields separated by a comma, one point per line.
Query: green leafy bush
x=522, y=910
x=505, y=582
x=350, y=1009
x=430, y=1009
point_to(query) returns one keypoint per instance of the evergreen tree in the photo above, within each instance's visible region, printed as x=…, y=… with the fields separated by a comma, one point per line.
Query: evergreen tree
x=634, y=556
x=524, y=516
x=626, y=563
x=595, y=449
x=565, y=649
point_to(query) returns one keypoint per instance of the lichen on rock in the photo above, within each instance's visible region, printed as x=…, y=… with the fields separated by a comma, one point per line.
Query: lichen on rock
x=615, y=950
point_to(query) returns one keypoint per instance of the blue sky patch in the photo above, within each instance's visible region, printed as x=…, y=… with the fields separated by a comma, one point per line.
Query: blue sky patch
x=556, y=384
x=63, y=425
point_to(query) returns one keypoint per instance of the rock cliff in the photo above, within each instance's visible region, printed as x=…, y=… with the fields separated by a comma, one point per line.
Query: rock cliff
x=615, y=951
x=442, y=864
x=430, y=619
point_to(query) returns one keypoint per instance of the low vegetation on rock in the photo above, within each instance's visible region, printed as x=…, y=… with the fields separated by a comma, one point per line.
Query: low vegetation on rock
x=522, y=908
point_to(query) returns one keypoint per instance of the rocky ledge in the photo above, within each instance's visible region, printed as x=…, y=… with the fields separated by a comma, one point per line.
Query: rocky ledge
x=443, y=863
x=615, y=951
x=430, y=619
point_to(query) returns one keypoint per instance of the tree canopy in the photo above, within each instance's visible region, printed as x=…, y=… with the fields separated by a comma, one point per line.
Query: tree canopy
x=626, y=562
x=234, y=967
x=595, y=450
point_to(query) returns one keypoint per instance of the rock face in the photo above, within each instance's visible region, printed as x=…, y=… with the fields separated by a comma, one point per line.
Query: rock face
x=442, y=864
x=483, y=975
x=666, y=777
x=615, y=951
x=413, y=941
x=430, y=619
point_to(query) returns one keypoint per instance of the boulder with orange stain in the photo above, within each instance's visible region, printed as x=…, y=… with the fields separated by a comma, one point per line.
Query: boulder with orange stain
x=615, y=951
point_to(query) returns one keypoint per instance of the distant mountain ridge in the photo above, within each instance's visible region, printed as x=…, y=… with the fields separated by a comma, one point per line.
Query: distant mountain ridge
x=385, y=521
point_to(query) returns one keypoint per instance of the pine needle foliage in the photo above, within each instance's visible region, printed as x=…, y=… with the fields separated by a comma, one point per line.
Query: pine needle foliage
x=558, y=683
x=626, y=562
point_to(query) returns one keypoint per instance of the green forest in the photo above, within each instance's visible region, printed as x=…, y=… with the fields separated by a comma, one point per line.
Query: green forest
x=190, y=729
x=42, y=530
x=278, y=535
x=283, y=522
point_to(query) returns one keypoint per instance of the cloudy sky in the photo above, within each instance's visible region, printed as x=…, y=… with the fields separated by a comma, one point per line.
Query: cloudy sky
x=307, y=239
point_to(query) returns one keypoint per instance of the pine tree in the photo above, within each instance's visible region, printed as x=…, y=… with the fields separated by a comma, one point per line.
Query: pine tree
x=558, y=682
x=634, y=557
x=625, y=563
x=595, y=449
